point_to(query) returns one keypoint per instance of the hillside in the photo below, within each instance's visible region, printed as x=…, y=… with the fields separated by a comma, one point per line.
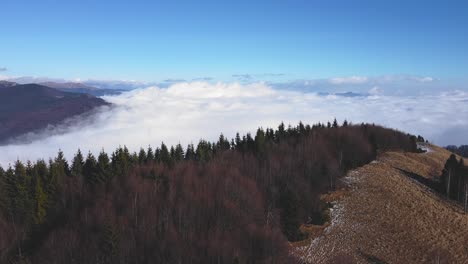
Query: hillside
x=29, y=107
x=231, y=201
x=81, y=88
x=383, y=216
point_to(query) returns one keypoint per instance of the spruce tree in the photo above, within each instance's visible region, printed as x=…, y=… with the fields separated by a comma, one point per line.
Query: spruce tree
x=179, y=152
x=77, y=165
x=141, y=156
x=335, y=123
x=149, y=154
x=90, y=169
x=103, y=167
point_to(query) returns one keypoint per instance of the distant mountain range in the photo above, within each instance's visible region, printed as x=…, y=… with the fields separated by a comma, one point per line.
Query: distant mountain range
x=82, y=88
x=29, y=107
x=72, y=87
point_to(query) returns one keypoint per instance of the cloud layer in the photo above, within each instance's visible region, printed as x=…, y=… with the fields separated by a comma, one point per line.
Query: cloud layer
x=186, y=112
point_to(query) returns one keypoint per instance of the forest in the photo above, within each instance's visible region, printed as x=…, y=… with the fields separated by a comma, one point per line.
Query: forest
x=237, y=200
x=461, y=150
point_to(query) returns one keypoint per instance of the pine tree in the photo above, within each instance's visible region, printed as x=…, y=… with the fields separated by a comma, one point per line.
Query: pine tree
x=238, y=141
x=288, y=203
x=165, y=155
x=190, y=153
x=179, y=152
x=103, y=167
x=40, y=201
x=109, y=243
x=260, y=142
x=77, y=165
x=335, y=123
x=142, y=156
x=90, y=169
x=149, y=155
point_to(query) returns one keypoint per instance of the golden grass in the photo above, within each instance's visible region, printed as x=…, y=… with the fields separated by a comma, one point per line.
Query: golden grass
x=389, y=217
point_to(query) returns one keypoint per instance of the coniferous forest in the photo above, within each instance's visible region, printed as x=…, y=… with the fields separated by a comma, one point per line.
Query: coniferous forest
x=236, y=200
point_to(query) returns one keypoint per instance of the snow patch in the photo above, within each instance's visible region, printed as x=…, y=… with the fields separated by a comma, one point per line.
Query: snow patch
x=424, y=147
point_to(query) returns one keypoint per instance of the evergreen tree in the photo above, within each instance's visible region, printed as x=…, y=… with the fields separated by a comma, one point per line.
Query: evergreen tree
x=90, y=169
x=77, y=165
x=335, y=123
x=103, y=167
x=59, y=169
x=238, y=141
x=204, y=151
x=288, y=203
x=40, y=200
x=22, y=195
x=142, y=156
x=260, y=141
x=165, y=155
x=179, y=152
x=149, y=154
x=223, y=143
x=109, y=244
x=190, y=153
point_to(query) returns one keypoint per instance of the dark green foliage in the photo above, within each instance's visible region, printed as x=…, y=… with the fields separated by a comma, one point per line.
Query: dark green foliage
x=190, y=153
x=90, y=170
x=103, y=169
x=164, y=155
x=109, y=243
x=142, y=156
x=149, y=155
x=178, y=153
x=288, y=204
x=77, y=165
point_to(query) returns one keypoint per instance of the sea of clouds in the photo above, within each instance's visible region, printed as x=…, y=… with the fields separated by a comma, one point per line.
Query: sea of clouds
x=186, y=112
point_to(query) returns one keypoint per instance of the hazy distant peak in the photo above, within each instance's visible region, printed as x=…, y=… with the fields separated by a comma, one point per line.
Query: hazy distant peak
x=7, y=84
x=68, y=85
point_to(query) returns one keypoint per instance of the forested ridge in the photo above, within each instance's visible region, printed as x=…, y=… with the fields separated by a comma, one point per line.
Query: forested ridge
x=230, y=201
x=462, y=150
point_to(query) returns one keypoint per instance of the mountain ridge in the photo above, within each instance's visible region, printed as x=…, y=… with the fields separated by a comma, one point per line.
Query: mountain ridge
x=30, y=107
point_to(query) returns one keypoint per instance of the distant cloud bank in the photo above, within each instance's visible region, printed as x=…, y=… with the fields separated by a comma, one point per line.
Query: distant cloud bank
x=185, y=112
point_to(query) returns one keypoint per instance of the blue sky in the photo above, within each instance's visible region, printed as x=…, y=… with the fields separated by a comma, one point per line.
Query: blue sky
x=156, y=40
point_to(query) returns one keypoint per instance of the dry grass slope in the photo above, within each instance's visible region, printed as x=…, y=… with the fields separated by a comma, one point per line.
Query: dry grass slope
x=386, y=217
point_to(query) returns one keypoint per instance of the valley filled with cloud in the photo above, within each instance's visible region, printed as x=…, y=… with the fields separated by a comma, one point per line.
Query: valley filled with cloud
x=188, y=111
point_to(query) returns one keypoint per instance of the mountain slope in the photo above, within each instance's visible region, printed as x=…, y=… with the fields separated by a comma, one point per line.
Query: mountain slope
x=383, y=216
x=81, y=88
x=6, y=84
x=25, y=108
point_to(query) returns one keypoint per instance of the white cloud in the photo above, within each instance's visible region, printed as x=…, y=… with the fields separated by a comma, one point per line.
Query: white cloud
x=376, y=90
x=349, y=80
x=186, y=112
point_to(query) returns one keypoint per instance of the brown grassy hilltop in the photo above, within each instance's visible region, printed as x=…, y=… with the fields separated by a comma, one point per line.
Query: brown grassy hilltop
x=384, y=216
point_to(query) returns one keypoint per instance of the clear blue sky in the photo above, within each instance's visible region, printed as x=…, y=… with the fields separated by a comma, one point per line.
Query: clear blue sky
x=153, y=40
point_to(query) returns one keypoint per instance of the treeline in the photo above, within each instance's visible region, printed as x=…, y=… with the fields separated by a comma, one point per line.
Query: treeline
x=230, y=201
x=454, y=180
x=461, y=150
